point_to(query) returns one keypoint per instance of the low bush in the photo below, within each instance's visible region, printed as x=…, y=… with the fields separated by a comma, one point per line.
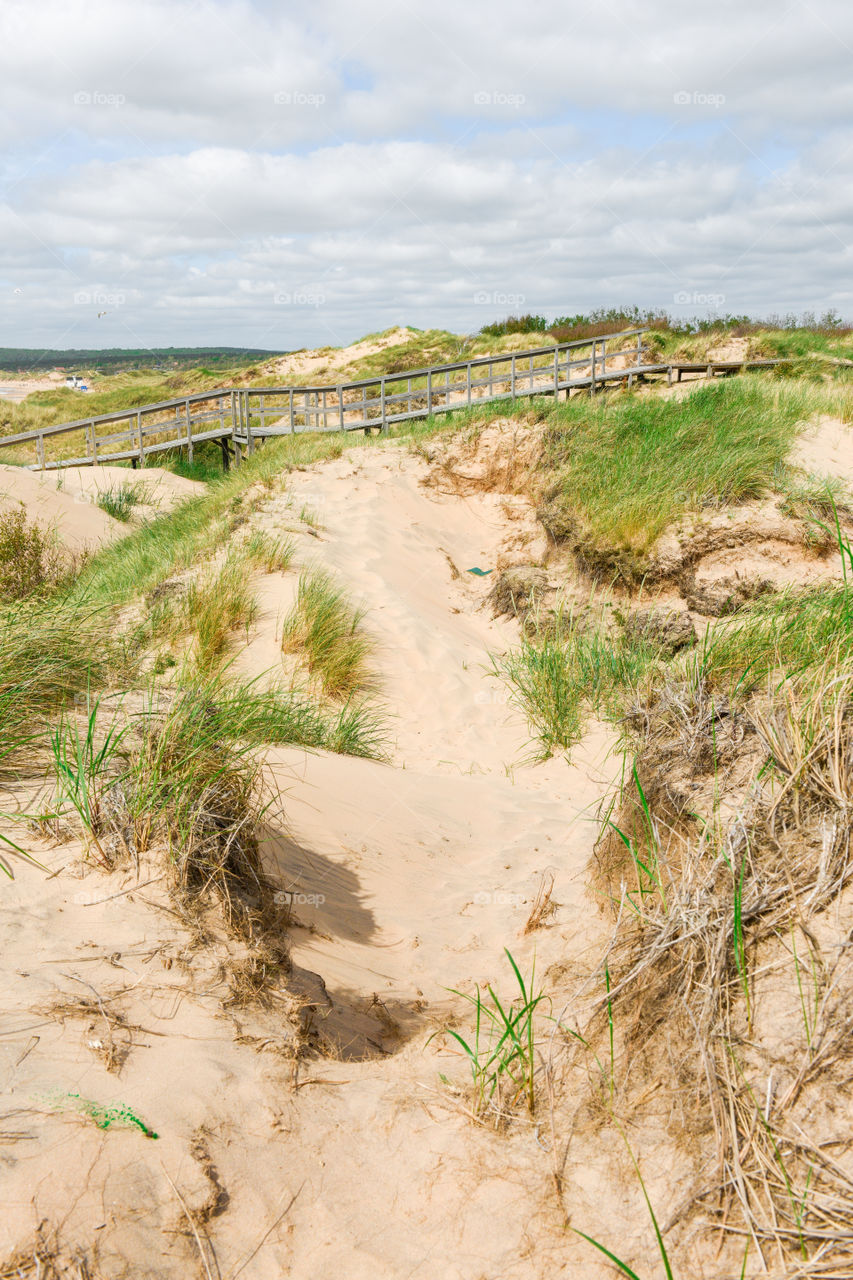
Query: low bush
x=31, y=562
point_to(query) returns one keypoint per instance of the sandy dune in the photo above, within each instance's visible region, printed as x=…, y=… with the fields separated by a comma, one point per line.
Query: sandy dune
x=67, y=501
x=407, y=878
x=303, y=366
x=827, y=449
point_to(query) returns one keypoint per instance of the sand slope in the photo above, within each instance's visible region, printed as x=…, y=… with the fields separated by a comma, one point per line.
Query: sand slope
x=313, y=366
x=407, y=878
x=67, y=500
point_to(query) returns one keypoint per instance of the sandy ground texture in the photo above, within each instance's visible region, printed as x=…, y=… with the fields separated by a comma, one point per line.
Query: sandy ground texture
x=406, y=878
x=67, y=500
x=827, y=449
x=17, y=389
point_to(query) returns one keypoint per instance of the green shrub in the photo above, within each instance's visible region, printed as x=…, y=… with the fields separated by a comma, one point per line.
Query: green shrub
x=31, y=562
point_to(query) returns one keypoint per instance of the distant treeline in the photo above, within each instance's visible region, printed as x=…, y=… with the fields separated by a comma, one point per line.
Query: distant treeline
x=119, y=359
x=601, y=321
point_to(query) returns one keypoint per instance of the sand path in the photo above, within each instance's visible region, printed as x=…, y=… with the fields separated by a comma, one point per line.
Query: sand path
x=409, y=878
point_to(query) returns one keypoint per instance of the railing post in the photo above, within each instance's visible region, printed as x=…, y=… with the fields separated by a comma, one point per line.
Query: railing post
x=139, y=444
x=341, y=404
x=40, y=451
x=189, y=431
x=250, y=441
x=384, y=426
x=290, y=411
x=238, y=453
x=429, y=392
x=592, y=383
x=92, y=443
x=639, y=348
x=556, y=373
x=512, y=376
x=469, y=382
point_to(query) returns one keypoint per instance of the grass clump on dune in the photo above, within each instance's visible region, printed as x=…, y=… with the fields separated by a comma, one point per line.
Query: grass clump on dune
x=186, y=772
x=119, y=499
x=624, y=470
x=327, y=629
x=219, y=602
x=558, y=680
x=269, y=554
x=787, y=634
x=243, y=711
x=48, y=654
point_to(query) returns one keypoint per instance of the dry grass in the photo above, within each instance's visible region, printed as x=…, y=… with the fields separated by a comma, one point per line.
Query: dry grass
x=45, y=1259
x=704, y=904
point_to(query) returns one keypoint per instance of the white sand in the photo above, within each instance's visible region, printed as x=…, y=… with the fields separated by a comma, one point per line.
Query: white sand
x=66, y=500
x=410, y=877
x=826, y=449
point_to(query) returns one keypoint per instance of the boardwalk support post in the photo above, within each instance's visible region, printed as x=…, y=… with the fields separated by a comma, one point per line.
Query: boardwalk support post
x=238, y=454
x=189, y=432
x=250, y=440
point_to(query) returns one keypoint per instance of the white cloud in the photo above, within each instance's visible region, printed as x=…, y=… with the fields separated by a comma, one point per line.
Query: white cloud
x=417, y=156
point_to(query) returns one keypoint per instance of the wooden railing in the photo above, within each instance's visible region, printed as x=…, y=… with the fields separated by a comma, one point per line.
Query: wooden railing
x=237, y=417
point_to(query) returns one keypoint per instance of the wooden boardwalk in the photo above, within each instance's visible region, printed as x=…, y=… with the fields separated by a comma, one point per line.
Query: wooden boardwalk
x=238, y=417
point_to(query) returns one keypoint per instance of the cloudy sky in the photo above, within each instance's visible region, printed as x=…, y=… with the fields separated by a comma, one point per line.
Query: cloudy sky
x=282, y=175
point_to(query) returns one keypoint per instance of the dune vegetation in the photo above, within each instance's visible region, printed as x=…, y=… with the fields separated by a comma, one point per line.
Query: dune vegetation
x=690, y=594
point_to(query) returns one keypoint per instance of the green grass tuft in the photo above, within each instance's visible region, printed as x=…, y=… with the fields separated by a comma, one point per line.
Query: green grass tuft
x=327, y=629
x=626, y=469
x=119, y=499
x=269, y=554
x=502, y=1050
x=556, y=681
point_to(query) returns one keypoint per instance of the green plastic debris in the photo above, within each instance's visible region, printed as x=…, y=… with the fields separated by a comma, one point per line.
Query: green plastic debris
x=117, y=1115
x=481, y=573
